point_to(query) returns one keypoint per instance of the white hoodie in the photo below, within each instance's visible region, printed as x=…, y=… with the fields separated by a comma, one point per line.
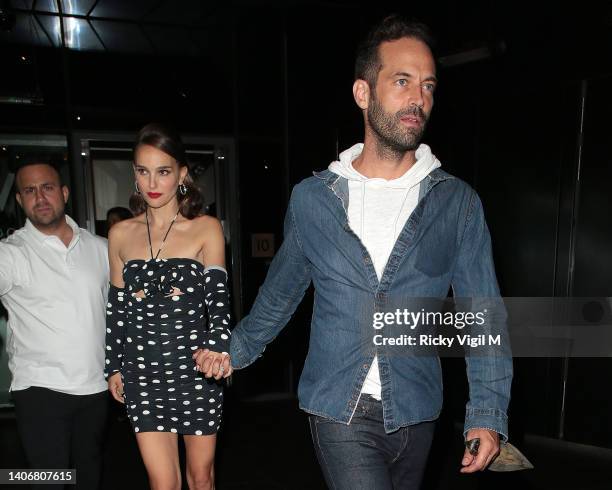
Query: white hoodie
x=377, y=212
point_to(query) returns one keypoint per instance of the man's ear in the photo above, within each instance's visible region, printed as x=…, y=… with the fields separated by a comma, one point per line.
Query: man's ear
x=18, y=198
x=66, y=193
x=361, y=93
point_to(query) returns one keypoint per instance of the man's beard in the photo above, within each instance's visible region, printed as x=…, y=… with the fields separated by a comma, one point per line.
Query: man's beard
x=393, y=139
x=49, y=220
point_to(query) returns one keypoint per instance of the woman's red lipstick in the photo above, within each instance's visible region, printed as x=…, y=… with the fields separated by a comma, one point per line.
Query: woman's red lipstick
x=153, y=195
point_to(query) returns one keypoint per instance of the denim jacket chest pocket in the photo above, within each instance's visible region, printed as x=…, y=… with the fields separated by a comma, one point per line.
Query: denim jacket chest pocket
x=438, y=247
x=331, y=246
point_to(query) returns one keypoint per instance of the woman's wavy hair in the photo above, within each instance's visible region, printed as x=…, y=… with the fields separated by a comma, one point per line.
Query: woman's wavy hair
x=167, y=140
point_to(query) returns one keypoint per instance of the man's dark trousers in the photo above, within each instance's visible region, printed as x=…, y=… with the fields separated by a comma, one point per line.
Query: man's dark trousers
x=361, y=456
x=63, y=431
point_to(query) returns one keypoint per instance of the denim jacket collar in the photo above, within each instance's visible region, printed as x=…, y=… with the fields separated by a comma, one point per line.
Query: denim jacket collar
x=339, y=185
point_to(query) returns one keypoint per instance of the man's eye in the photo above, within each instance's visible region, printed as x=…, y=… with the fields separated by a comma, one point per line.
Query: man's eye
x=429, y=87
x=402, y=82
x=49, y=187
x=28, y=190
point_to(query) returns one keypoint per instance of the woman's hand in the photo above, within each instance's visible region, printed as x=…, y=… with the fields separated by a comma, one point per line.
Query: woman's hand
x=213, y=364
x=115, y=386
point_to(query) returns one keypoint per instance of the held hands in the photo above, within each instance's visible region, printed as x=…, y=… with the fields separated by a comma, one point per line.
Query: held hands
x=213, y=364
x=487, y=451
x=115, y=386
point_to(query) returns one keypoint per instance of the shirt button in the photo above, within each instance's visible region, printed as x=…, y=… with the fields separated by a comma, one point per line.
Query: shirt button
x=367, y=260
x=366, y=366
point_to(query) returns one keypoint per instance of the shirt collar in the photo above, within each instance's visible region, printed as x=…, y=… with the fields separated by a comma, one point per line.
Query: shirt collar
x=44, y=238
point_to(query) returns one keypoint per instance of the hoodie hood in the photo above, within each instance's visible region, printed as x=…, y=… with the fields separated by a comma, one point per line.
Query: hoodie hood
x=425, y=163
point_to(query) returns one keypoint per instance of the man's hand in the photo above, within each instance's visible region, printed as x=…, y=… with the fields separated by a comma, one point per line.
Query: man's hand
x=213, y=364
x=489, y=448
x=115, y=386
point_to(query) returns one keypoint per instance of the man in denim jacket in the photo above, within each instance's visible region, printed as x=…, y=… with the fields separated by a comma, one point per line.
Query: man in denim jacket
x=409, y=230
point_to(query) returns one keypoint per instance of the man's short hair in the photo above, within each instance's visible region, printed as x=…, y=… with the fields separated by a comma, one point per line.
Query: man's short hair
x=391, y=28
x=35, y=159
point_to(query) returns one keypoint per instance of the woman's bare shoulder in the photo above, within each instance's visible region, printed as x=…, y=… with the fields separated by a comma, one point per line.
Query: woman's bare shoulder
x=209, y=232
x=125, y=228
x=207, y=224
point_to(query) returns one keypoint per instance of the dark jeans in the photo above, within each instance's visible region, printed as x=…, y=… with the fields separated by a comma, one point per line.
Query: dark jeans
x=63, y=431
x=361, y=456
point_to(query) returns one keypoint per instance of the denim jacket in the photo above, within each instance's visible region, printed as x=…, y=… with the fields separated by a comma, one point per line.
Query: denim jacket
x=444, y=243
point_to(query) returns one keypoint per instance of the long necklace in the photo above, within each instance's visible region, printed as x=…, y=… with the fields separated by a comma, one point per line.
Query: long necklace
x=165, y=236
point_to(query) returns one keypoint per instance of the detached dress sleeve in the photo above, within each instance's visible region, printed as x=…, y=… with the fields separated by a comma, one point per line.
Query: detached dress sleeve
x=116, y=322
x=216, y=297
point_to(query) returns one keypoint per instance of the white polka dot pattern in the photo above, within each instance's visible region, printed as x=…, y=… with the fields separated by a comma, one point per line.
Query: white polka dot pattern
x=217, y=302
x=163, y=391
x=116, y=318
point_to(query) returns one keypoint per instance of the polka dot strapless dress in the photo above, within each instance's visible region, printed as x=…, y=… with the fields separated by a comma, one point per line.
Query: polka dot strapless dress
x=154, y=325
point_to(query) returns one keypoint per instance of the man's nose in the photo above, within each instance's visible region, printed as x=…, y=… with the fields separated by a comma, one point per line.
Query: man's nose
x=416, y=96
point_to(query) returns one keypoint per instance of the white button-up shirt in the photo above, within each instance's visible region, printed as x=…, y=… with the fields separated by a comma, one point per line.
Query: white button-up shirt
x=55, y=297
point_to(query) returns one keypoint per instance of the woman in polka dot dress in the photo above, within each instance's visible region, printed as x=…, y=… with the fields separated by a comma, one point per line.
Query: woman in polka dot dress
x=167, y=277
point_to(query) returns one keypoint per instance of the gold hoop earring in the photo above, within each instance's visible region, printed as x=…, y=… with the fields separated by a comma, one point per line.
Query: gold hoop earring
x=136, y=186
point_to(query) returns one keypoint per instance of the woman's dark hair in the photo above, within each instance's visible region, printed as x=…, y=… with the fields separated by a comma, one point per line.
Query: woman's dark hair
x=167, y=140
x=391, y=28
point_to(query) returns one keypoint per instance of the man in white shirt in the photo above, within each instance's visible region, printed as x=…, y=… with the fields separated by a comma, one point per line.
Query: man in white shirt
x=53, y=283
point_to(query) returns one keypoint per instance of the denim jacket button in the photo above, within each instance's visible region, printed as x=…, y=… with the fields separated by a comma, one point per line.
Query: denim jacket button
x=366, y=366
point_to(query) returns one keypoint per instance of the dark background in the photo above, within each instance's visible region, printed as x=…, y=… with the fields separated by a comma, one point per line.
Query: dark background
x=528, y=126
